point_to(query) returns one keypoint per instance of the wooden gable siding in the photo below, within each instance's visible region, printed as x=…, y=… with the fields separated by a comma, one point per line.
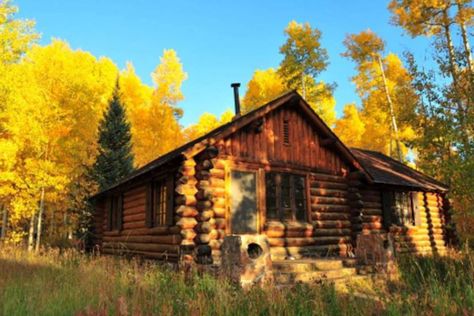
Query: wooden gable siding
x=267, y=146
x=136, y=238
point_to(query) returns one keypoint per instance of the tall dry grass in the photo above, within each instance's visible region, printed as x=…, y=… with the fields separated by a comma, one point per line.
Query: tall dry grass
x=71, y=283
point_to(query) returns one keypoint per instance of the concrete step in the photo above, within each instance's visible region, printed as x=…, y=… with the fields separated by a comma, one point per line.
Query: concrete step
x=309, y=265
x=313, y=276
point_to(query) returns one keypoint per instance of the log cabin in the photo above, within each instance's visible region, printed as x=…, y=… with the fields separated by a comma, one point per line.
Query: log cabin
x=278, y=171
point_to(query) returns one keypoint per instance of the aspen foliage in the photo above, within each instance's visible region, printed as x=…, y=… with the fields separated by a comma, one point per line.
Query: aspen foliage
x=206, y=123
x=350, y=128
x=366, y=50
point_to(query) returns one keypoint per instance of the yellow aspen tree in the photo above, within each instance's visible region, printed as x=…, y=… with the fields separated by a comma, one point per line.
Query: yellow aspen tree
x=264, y=86
x=350, y=128
x=161, y=131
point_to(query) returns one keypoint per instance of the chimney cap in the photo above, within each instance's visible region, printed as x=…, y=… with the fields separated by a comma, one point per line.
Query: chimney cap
x=235, y=84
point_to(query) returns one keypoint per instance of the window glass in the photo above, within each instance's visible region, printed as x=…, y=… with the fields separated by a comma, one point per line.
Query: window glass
x=300, y=198
x=285, y=196
x=404, y=208
x=271, y=199
x=244, y=202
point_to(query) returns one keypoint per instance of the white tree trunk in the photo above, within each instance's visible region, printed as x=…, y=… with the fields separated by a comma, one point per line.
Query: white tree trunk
x=40, y=221
x=4, y=223
x=392, y=112
x=467, y=46
x=31, y=232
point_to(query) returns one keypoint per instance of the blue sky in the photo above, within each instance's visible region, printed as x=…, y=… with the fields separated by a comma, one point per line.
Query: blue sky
x=218, y=42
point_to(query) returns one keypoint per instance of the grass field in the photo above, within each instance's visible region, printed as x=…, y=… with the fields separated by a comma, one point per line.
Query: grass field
x=71, y=283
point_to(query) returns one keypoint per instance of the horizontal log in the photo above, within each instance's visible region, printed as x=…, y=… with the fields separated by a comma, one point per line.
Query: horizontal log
x=373, y=231
x=215, y=182
x=327, y=177
x=165, y=239
x=331, y=232
x=332, y=224
x=204, y=194
x=373, y=205
x=134, y=217
x=219, y=202
x=219, y=212
x=372, y=211
x=329, y=185
x=205, y=164
x=217, y=173
x=186, y=211
x=142, y=247
x=371, y=219
x=188, y=234
x=282, y=233
x=205, y=227
x=204, y=216
x=134, y=204
x=329, y=200
x=219, y=163
x=221, y=223
x=186, y=189
x=187, y=222
x=150, y=231
x=203, y=175
x=134, y=210
x=135, y=191
x=215, y=244
x=307, y=241
x=290, y=226
x=203, y=205
x=172, y=257
x=317, y=216
x=188, y=200
x=328, y=192
x=206, y=238
x=330, y=208
x=134, y=225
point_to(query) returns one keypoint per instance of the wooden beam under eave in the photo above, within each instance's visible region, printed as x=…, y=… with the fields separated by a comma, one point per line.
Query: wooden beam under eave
x=328, y=142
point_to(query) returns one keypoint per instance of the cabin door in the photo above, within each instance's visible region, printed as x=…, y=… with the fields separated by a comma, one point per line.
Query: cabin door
x=243, y=206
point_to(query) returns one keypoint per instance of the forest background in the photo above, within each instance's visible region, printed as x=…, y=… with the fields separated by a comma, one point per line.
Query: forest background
x=53, y=99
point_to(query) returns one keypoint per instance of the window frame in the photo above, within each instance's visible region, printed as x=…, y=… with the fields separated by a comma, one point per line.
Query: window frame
x=115, y=212
x=280, y=212
x=154, y=196
x=394, y=208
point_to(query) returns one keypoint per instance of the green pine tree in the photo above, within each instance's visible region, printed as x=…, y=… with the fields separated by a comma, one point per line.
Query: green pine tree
x=115, y=158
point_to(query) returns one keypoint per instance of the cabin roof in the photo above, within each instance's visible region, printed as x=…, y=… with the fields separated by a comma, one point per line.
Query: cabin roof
x=375, y=166
x=385, y=170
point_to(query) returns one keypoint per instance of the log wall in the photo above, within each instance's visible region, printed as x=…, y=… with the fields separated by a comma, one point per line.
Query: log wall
x=429, y=236
x=329, y=230
x=136, y=238
x=372, y=212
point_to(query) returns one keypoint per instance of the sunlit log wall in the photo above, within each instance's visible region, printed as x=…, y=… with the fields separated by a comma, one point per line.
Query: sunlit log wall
x=429, y=236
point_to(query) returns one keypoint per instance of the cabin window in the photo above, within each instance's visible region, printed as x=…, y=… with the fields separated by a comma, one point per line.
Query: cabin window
x=286, y=132
x=115, y=212
x=285, y=196
x=401, y=208
x=243, y=211
x=160, y=202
